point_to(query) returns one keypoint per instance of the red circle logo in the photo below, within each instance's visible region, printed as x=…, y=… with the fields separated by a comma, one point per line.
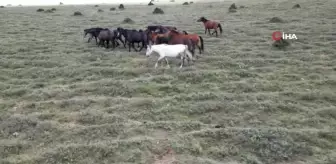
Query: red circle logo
x=277, y=35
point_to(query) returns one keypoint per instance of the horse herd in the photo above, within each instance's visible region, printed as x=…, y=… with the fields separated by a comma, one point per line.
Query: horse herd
x=167, y=41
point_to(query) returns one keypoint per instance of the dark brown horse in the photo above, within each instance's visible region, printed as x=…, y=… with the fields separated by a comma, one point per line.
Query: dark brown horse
x=210, y=24
x=197, y=40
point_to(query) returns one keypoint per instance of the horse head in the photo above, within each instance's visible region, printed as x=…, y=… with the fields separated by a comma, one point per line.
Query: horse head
x=116, y=33
x=202, y=19
x=86, y=31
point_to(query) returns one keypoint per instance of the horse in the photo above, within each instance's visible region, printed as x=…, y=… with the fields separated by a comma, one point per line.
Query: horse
x=94, y=32
x=107, y=35
x=210, y=24
x=134, y=36
x=123, y=33
x=198, y=40
x=165, y=50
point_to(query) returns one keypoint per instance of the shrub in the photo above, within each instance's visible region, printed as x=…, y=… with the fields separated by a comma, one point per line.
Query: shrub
x=49, y=11
x=158, y=11
x=276, y=20
x=185, y=3
x=121, y=7
x=40, y=10
x=112, y=8
x=296, y=6
x=128, y=20
x=233, y=8
x=77, y=13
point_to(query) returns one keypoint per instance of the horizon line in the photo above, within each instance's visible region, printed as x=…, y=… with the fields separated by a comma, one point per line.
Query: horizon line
x=112, y=3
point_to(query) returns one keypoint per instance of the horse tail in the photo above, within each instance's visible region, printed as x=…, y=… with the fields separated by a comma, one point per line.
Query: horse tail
x=202, y=43
x=220, y=28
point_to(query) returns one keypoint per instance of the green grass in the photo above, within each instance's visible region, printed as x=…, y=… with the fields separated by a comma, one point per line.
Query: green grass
x=63, y=100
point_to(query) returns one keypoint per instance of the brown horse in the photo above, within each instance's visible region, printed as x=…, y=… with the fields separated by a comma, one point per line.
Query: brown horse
x=197, y=40
x=177, y=39
x=210, y=24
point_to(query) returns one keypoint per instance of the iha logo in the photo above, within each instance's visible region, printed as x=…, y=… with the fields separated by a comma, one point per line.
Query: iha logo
x=277, y=35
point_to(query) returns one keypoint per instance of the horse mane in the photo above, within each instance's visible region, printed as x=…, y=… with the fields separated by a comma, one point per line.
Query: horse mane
x=204, y=18
x=174, y=31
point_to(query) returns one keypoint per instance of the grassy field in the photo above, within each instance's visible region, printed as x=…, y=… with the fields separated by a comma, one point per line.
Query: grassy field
x=63, y=100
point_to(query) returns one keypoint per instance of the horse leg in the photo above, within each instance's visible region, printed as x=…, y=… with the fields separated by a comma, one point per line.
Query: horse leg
x=113, y=43
x=134, y=47
x=182, y=60
x=107, y=44
x=100, y=43
x=143, y=45
x=167, y=62
x=215, y=31
x=122, y=41
x=200, y=49
x=129, y=46
x=160, y=58
x=96, y=40
x=116, y=43
x=209, y=31
x=125, y=43
x=205, y=30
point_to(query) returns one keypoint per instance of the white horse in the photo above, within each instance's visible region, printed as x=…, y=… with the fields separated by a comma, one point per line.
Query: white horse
x=165, y=50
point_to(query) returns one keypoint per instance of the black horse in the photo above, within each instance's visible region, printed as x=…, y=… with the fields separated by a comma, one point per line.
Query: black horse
x=107, y=35
x=134, y=36
x=94, y=32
